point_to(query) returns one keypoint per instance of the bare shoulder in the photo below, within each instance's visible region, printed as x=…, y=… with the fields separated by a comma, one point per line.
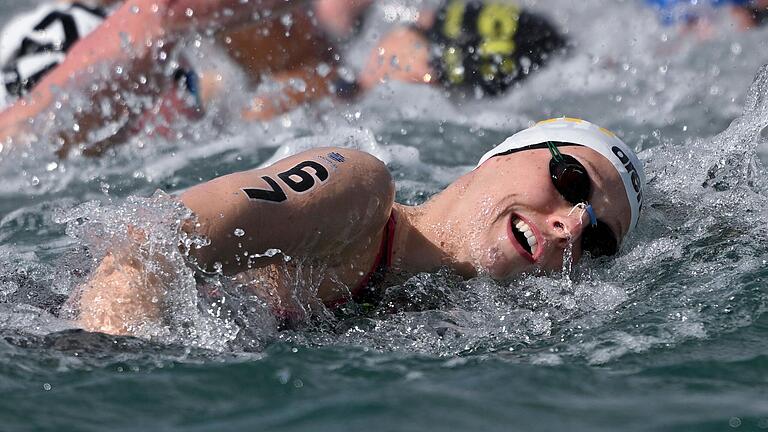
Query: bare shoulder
x=317, y=202
x=317, y=173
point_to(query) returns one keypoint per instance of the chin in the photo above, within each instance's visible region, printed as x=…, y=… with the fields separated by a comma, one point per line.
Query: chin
x=504, y=270
x=505, y=276
x=494, y=262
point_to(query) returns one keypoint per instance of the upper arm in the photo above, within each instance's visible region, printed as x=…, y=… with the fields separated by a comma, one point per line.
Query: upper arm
x=316, y=203
x=269, y=105
x=201, y=14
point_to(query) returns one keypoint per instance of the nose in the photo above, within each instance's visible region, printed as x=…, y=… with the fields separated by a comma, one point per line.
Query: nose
x=568, y=223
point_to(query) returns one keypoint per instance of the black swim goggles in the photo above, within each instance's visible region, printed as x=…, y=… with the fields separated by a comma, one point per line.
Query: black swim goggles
x=572, y=181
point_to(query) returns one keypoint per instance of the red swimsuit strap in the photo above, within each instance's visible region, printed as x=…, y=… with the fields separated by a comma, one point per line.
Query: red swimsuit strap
x=389, y=242
x=380, y=266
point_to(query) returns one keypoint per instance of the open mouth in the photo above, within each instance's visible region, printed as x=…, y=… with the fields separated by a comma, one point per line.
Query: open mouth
x=525, y=238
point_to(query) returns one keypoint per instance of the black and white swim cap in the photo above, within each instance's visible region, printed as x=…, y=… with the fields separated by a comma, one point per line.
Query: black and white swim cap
x=34, y=43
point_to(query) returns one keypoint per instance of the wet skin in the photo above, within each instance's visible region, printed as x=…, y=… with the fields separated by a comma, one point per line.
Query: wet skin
x=340, y=224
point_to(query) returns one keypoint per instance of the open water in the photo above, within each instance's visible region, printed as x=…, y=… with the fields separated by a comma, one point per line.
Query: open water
x=670, y=336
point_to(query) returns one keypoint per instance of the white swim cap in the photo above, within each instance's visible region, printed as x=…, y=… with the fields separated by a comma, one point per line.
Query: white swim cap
x=584, y=133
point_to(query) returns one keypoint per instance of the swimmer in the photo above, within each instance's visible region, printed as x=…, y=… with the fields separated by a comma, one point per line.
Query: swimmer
x=695, y=16
x=484, y=48
x=480, y=47
x=563, y=186
x=265, y=48
x=467, y=47
x=35, y=42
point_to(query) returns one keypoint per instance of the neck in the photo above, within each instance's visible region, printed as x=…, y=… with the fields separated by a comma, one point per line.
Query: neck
x=426, y=239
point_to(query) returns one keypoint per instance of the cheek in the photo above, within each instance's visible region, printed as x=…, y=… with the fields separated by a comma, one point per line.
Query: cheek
x=497, y=258
x=499, y=266
x=534, y=188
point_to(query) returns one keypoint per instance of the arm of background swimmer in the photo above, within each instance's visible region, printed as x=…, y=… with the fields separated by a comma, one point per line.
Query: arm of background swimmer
x=126, y=38
x=267, y=106
x=313, y=204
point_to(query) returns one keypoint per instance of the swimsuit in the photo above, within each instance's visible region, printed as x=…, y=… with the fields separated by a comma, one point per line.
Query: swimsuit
x=365, y=291
x=488, y=46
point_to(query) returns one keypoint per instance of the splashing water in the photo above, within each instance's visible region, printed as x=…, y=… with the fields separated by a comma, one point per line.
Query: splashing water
x=679, y=315
x=150, y=229
x=733, y=173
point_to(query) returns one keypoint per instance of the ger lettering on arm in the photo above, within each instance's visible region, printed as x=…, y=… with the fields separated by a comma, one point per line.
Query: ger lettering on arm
x=312, y=205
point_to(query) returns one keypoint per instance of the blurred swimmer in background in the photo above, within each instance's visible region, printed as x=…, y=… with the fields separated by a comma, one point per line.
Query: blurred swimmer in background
x=547, y=195
x=286, y=44
x=469, y=48
x=478, y=47
x=33, y=43
x=482, y=48
x=696, y=16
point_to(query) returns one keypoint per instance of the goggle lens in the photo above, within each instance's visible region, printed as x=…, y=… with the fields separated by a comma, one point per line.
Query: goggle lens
x=571, y=180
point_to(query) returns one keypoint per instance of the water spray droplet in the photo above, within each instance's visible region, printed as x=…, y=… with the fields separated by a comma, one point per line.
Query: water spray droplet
x=568, y=259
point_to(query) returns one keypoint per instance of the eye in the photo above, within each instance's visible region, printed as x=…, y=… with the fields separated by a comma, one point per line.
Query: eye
x=570, y=178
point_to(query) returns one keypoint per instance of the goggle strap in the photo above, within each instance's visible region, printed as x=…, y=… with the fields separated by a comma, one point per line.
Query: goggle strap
x=592, y=216
x=554, y=151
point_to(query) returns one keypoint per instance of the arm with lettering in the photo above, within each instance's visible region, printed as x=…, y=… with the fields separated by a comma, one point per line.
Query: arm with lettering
x=325, y=204
x=314, y=204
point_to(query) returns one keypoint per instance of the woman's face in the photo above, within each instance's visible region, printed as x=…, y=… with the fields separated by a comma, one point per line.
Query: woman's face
x=511, y=198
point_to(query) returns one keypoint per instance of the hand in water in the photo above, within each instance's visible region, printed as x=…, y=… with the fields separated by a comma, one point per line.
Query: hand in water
x=120, y=298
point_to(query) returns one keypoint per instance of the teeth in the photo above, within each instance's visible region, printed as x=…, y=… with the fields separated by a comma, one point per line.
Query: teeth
x=528, y=233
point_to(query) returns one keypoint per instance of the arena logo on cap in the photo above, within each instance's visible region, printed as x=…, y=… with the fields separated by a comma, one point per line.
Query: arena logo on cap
x=632, y=171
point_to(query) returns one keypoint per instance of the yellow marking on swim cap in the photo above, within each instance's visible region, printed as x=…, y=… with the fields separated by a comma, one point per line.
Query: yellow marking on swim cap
x=497, y=24
x=454, y=65
x=454, y=18
x=607, y=132
x=573, y=119
x=552, y=120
